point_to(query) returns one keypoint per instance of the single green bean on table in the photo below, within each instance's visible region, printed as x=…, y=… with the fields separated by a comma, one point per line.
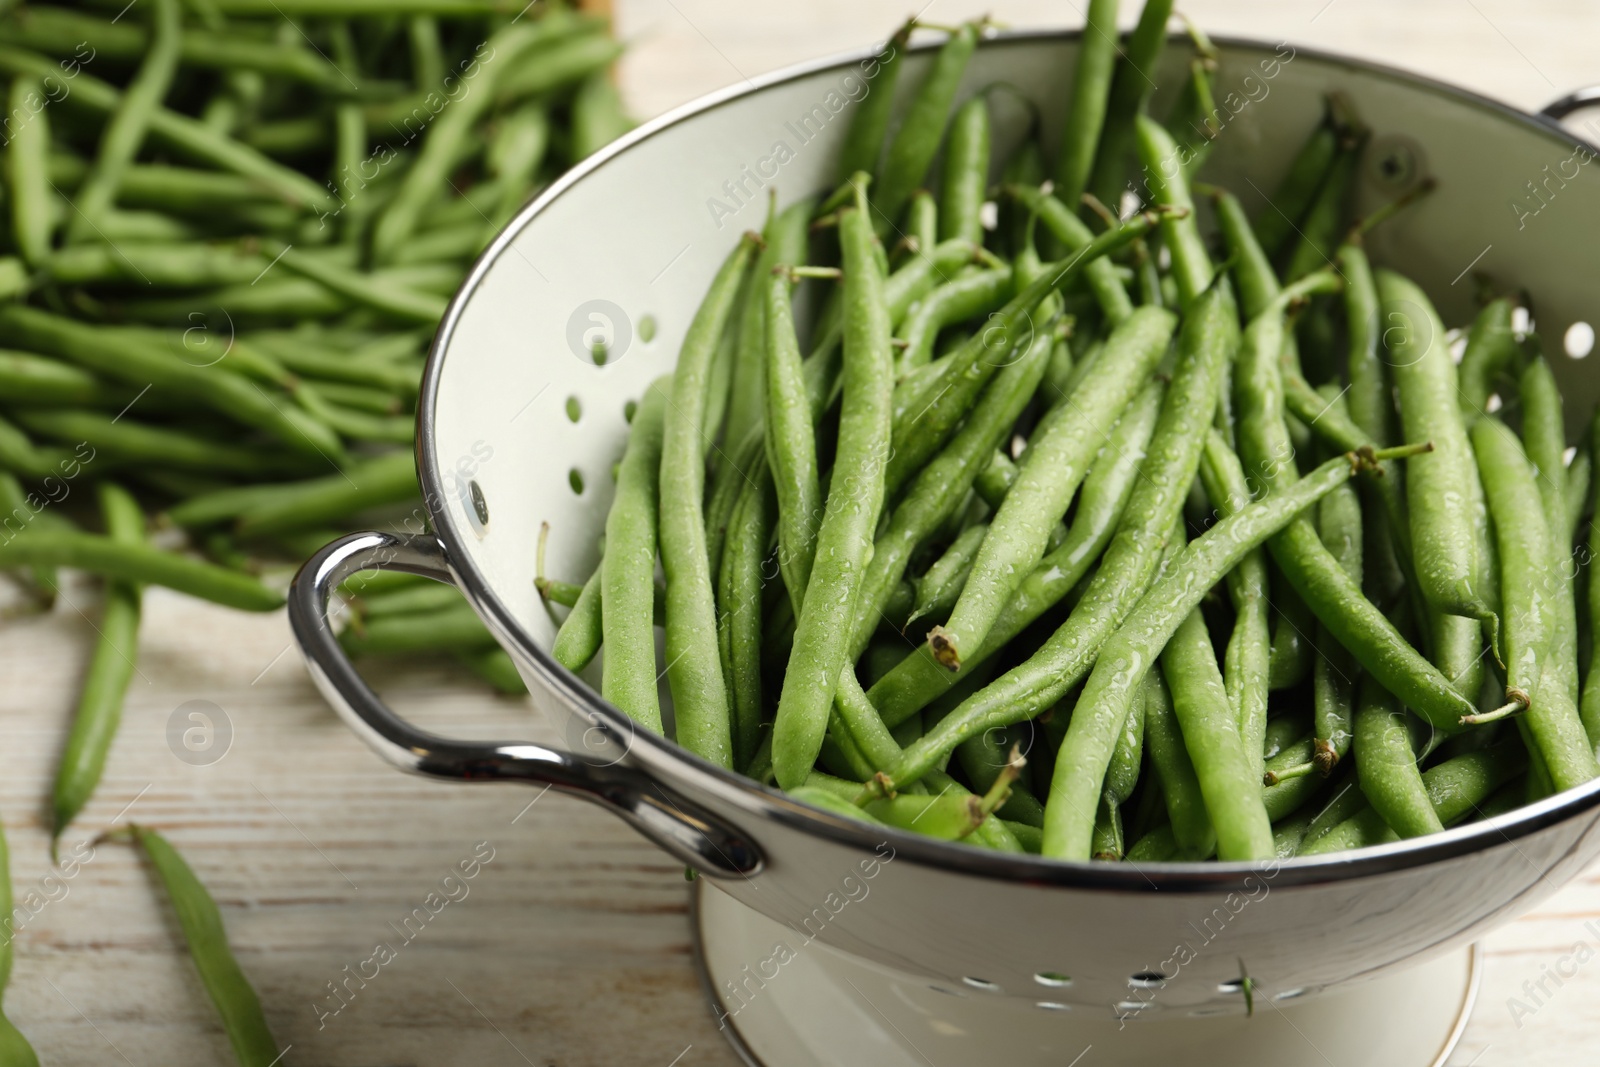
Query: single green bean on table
x=235, y=999
x=110, y=670
x=14, y=1048
x=138, y=563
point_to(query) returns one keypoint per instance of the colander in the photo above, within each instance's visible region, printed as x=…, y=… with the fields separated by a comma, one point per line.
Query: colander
x=518, y=427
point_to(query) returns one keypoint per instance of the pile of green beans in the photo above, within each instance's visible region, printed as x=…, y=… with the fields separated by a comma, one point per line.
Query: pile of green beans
x=228, y=230
x=1143, y=519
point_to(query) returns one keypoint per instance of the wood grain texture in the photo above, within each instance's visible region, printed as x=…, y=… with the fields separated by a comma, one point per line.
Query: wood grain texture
x=571, y=946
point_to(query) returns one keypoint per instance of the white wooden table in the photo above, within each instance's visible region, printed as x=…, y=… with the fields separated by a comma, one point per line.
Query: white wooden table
x=571, y=946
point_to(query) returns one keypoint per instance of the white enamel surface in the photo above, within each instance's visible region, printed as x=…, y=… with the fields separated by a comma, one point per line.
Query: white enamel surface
x=770, y=986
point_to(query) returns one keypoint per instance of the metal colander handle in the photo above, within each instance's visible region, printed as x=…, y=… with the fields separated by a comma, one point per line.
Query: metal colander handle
x=679, y=826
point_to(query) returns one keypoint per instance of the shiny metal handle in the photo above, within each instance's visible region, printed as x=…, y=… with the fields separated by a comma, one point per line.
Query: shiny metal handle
x=690, y=833
x=1589, y=96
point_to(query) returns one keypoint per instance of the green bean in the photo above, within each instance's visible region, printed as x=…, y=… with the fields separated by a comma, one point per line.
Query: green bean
x=869, y=126
x=367, y=290
x=1072, y=234
x=830, y=802
x=1294, y=194
x=1387, y=765
x=179, y=266
x=496, y=667
x=14, y=1048
x=851, y=514
x=305, y=355
x=627, y=569
x=941, y=485
x=1448, y=541
x=58, y=32
x=125, y=441
x=1055, y=463
x=1247, y=660
x=957, y=300
x=966, y=172
x=138, y=563
x=35, y=207
x=125, y=130
x=597, y=115
x=201, y=922
x=785, y=244
x=20, y=455
x=520, y=144
x=1130, y=560
x=1491, y=350
x=1591, y=679
x=1528, y=579
x=926, y=413
x=791, y=447
x=1227, y=772
x=1347, y=801
x=40, y=381
x=1544, y=437
x=106, y=682
x=1122, y=777
x=1312, y=571
x=386, y=479
x=1455, y=788
x=1290, y=784
x=940, y=585
x=407, y=600
x=557, y=64
x=439, y=150
x=1086, y=109
x=1252, y=269
x=1180, y=230
x=1578, y=482
x=456, y=628
x=1131, y=85
x=916, y=142
x=142, y=364
x=1127, y=655
x=582, y=631
x=180, y=131
x=1324, y=224
x=922, y=222
x=739, y=609
x=996, y=479
x=1180, y=786
x=1333, y=676
x=693, y=666
x=1146, y=525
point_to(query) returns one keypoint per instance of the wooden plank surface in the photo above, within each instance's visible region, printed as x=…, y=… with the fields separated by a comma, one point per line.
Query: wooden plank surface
x=570, y=945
